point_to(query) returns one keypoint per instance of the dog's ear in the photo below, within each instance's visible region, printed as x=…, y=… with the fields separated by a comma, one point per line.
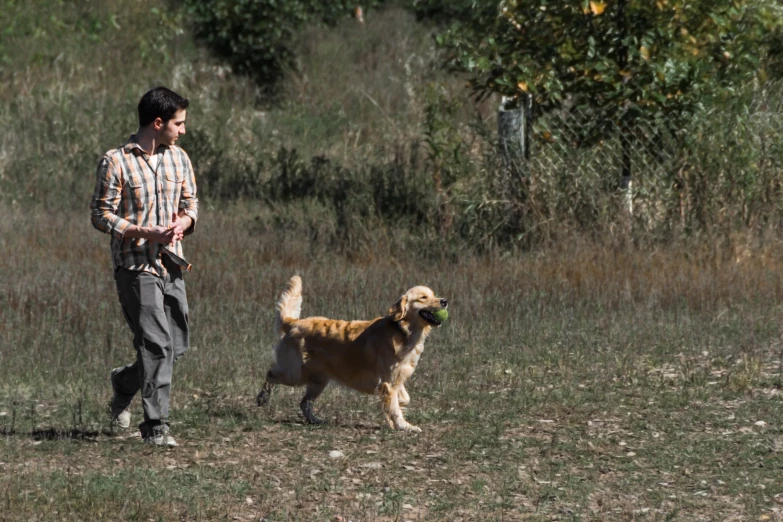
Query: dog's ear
x=399, y=309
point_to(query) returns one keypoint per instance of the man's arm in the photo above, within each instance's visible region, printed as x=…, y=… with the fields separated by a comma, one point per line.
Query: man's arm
x=188, y=202
x=106, y=199
x=185, y=221
x=156, y=234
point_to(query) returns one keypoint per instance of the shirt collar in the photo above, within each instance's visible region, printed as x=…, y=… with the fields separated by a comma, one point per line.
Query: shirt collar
x=132, y=144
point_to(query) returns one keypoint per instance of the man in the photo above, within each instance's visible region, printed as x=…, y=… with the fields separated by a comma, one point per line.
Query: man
x=145, y=198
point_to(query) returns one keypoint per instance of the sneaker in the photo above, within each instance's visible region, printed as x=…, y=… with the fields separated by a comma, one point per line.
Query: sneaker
x=120, y=416
x=157, y=436
x=119, y=407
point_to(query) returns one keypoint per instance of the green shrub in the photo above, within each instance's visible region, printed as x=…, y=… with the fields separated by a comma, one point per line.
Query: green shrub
x=444, y=12
x=255, y=36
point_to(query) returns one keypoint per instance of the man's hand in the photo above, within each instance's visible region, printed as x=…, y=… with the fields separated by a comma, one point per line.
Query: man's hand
x=175, y=232
x=177, y=228
x=163, y=235
x=160, y=234
x=184, y=221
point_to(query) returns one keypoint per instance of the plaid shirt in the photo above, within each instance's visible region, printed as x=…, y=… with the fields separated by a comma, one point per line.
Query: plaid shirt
x=129, y=191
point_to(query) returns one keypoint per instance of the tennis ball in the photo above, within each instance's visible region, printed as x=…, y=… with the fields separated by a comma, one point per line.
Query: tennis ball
x=441, y=315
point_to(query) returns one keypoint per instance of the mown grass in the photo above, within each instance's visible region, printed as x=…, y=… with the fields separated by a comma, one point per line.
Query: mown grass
x=584, y=383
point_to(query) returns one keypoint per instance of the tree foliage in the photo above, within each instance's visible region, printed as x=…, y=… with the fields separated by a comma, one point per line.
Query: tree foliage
x=650, y=56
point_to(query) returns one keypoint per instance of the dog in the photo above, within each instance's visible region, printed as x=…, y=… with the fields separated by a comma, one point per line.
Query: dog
x=373, y=357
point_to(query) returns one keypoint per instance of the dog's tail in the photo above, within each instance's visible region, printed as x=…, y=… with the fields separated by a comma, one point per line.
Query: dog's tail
x=289, y=306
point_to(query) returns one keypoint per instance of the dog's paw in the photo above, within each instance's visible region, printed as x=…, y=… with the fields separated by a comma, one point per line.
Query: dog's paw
x=314, y=421
x=309, y=416
x=263, y=396
x=409, y=427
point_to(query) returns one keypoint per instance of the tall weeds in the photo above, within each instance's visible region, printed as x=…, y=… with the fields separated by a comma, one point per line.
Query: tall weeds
x=370, y=136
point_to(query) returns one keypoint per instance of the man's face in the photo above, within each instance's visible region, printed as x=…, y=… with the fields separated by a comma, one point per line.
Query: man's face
x=171, y=130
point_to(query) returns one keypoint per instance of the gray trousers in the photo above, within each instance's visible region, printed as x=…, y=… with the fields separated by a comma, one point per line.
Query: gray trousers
x=157, y=312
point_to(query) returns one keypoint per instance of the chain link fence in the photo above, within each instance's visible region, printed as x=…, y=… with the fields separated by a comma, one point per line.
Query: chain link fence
x=722, y=165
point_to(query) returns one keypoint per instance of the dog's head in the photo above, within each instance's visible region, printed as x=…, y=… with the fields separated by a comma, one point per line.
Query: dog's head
x=417, y=306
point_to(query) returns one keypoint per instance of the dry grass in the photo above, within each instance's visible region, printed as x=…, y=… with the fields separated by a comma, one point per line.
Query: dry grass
x=585, y=383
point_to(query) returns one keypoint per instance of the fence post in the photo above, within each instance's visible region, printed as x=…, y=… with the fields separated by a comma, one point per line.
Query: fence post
x=626, y=181
x=511, y=131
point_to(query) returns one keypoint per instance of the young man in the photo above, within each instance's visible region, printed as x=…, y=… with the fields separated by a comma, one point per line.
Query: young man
x=145, y=198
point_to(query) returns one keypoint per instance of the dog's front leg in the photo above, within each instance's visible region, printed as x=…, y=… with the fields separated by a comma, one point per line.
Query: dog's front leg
x=390, y=399
x=314, y=388
x=404, y=398
x=263, y=396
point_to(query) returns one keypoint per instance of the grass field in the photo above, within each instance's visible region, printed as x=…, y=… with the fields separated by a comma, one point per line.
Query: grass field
x=579, y=384
x=601, y=379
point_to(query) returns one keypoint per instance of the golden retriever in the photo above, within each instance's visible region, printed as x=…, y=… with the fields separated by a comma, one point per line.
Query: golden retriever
x=375, y=356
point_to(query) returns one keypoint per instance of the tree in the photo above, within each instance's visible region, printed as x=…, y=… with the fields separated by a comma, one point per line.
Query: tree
x=626, y=59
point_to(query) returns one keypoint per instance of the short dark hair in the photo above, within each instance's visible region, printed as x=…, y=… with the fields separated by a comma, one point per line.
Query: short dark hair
x=162, y=103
